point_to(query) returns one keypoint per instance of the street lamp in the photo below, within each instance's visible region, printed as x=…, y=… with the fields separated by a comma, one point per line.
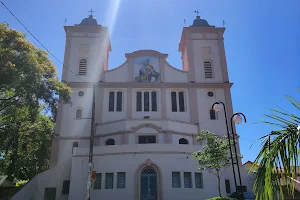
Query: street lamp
x=236, y=118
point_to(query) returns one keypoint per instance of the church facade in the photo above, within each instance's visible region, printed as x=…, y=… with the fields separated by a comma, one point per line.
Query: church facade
x=147, y=116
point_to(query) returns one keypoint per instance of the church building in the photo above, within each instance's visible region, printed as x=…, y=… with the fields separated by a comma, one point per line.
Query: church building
x=147, y=115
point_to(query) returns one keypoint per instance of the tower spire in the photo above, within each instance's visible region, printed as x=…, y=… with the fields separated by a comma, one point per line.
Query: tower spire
x=197, y=12
x=91, y=11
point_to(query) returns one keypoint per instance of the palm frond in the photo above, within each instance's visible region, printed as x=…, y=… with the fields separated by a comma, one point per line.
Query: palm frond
x=276, y=164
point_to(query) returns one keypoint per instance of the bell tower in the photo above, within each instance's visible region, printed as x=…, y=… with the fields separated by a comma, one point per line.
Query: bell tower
x=202, y=52
x=86, y=51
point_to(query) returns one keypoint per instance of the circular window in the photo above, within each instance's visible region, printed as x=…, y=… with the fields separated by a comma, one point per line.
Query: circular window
x=81, y=93
x=210, y=94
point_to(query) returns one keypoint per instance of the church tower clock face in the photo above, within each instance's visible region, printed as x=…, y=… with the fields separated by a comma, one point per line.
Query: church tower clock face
x=146, y=69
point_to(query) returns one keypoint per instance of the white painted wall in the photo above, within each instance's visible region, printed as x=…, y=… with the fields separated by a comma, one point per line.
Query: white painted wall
x=174, y=75
x=80, y=127
x=129, y=164
x=199, y=59
x=204, y=105
x=119, y=74
x=95, y=55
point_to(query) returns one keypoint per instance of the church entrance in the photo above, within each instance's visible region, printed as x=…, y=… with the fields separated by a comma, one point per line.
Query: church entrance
x=148, y=184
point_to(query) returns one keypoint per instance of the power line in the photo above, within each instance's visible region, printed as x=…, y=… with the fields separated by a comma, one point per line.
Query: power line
x=39, y=41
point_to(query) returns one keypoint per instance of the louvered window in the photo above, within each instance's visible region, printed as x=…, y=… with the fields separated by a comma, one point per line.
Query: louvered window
x=208, y=72
x=121, y=179
x=97, y=183
x=82, y=67
x=187, y=179
x=109, y=180
x=176, y=180
x=198, y=180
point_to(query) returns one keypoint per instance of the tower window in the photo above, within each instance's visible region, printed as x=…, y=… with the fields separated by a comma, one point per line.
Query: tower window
x=213, y=115
x=177, y=101
x=115, y=105
x=144, y=103
x=79, y=113
x=82, y=67
x=110, y=142
x=183, y=141
x=75, y=144
x=208, y=72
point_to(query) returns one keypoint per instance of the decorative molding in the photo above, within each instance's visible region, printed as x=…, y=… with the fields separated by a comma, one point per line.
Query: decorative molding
x=136, y=153
x=146, y=125
x=146, y=52
x=148, y=85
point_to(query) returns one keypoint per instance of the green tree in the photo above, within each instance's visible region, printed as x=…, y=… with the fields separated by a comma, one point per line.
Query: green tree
x=277, y=161
x=214, y=156
x=29, y=87
x=27, y=75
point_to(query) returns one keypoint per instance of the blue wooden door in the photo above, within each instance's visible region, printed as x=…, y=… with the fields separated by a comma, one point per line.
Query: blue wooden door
x=148, y=184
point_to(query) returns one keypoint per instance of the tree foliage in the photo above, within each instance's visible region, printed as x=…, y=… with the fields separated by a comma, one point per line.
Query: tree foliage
x=29, y=87
x=27, y=75
x=277, y=161
x=214, y=156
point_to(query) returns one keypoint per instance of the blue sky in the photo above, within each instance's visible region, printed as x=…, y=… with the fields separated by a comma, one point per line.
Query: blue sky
x=262, y=42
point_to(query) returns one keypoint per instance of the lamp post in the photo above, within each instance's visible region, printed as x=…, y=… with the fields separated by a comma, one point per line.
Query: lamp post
x=236, y=118
x=217, y=107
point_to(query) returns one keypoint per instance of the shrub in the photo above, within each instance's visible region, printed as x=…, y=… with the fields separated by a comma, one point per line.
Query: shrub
x=21, y=183
x=221, y=198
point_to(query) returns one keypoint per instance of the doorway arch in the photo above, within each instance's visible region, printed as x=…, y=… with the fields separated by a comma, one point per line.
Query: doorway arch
x=148, y=179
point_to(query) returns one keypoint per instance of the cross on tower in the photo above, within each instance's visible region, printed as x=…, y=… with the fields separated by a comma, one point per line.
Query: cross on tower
x=196, y=11
x=91, y=11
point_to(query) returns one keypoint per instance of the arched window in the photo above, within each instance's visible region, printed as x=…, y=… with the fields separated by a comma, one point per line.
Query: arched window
x=208, y=71
x=177, y=101
x=82, y=67
x=183, y=141
x=110, y=142
x=79, y=113
x=75, y=144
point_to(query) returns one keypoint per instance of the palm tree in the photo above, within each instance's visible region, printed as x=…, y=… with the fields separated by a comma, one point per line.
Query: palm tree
x=276, y=162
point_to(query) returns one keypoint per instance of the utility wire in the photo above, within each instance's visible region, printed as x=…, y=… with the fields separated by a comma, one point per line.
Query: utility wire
x=39, y=41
